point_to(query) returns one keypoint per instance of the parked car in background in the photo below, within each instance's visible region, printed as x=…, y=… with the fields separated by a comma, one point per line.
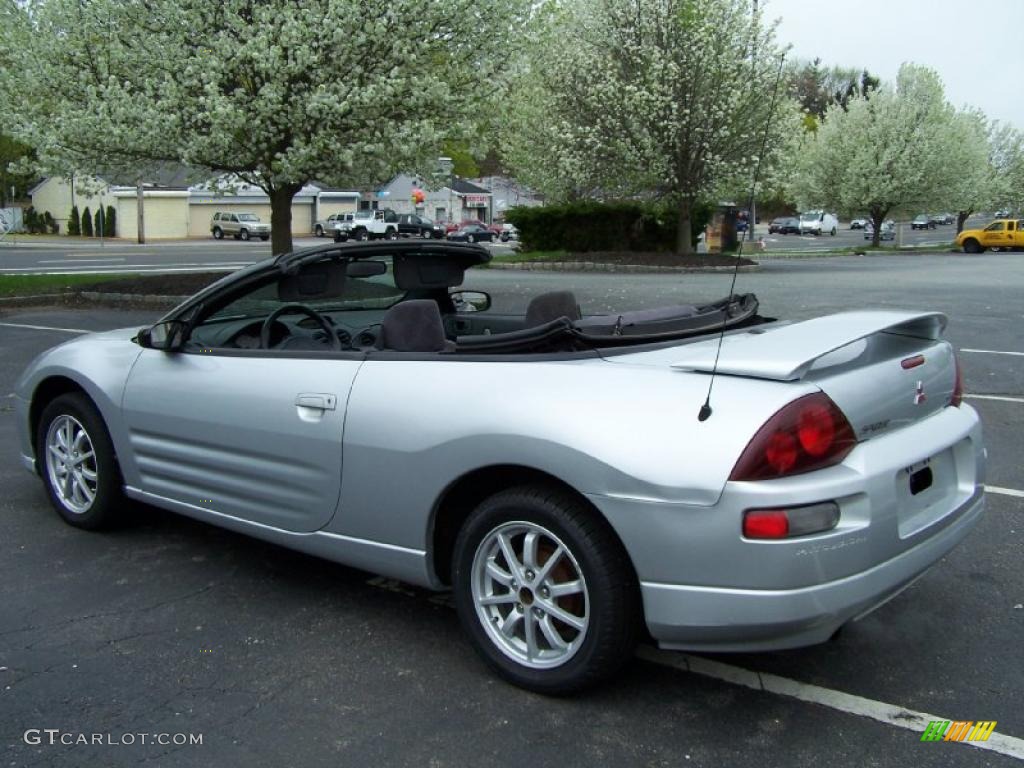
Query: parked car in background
x=475, y=232
x=858, y=223
x=784, y=225
x=370, y=225
x=888, y=230
x=942, y=218
x=508, y=232
x=1000, y=234
x=818, y=223
x=412, y=225
x=332, y=223
x=922, y=221
x=240, y=226
x=1002, y=214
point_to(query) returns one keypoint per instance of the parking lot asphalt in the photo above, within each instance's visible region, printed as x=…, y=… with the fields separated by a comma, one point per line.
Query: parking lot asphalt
x=276, y=658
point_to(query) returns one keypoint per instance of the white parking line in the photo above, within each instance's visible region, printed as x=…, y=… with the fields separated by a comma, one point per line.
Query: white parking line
x=1001, y=398
x=814, y=694
x=1004, y=491
x=992, y=352
x=75, y=261
x=43, y=328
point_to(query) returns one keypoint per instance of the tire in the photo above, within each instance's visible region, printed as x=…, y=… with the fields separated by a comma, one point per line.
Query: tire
x=470, y=238
x=244, y=234
x=218, y=233
x=264, y=238
x=72, y=415
x=595, y=629
x=972, y=246
x=391, y=234
x=319, y=231
x=360, y=234
x=833, y=231
x=338, y=238
x=426, y=234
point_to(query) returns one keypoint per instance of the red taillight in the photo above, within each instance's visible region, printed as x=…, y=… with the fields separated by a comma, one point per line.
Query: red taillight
x=809, y=433
x=958, y=386
x=765, y=525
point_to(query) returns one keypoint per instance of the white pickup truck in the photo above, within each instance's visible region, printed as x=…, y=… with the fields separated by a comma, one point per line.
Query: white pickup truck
x=369, y=225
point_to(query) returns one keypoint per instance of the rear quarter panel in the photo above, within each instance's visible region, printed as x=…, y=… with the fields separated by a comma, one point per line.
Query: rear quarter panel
x=614, y=429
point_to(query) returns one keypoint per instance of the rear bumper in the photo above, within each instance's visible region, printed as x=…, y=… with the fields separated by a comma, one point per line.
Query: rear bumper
x=706, y=587
x=717, y=619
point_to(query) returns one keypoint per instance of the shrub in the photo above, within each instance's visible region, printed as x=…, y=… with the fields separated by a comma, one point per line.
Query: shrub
x=97, y=221
x=74, y=222
x=593, y=226
x=86, y=223
x=109, y=225
x=51, y=223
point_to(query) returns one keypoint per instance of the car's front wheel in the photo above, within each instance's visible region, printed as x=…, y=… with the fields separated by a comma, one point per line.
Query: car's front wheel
x=78, y=464
x=244, y=234
x=972, y=246
x=545, y=590
x=319, y=231
x=471, y=238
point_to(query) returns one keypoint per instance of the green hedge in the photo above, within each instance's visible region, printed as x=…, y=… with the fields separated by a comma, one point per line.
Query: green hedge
x=592, y=226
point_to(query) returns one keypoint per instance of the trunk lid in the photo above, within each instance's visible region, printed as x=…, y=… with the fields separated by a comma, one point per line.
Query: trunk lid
x=883, y=369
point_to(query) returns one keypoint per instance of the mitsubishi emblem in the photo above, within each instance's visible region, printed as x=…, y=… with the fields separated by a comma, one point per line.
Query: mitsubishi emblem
x=919, y=395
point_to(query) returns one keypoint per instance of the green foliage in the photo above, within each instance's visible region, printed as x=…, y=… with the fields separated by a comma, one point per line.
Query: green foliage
x=97, y=221
x=110, y=223
x=86, y=223
x=51, y=225
x=591, y=226
x=74, y=222
x=465, y=163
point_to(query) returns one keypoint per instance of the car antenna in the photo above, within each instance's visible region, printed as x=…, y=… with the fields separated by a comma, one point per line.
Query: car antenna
x=705, y=410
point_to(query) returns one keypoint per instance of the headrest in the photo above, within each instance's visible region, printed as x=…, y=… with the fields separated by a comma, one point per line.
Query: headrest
x=550, y=306
x=413, y=326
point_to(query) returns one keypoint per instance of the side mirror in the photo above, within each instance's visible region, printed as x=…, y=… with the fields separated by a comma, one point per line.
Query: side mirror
x=471, y=301
x=169, y=336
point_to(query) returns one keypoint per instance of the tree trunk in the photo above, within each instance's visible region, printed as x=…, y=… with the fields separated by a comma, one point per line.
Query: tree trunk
x=876, y=222
x=961, y=217
x=684, y=239
x=281, y=217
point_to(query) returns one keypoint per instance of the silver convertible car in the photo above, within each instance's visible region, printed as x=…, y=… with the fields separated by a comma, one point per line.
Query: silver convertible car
x=569, y=477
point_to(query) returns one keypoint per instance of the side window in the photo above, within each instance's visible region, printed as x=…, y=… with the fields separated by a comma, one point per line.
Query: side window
x=1011, y=225
x=216, y=217
x=234, y=217
x=996, y=226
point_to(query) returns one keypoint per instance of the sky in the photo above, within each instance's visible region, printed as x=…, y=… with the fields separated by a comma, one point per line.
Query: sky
x=976, y=46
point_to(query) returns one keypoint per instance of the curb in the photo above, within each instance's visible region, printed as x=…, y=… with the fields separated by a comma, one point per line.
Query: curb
x=22, y=301
x=592, y=266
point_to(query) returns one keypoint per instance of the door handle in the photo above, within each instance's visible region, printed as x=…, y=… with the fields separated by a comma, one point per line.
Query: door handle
x=322, y=402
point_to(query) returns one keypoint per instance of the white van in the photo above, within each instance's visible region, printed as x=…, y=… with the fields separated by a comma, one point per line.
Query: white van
x=818, y=223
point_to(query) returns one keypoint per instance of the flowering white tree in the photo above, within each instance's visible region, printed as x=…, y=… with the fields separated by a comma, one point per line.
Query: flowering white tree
x=904, y=148
x=1007, y=156
x=624, y=98
x=276, y=92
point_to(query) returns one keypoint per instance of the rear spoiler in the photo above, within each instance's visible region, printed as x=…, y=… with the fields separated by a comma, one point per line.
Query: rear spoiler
x=786, y=353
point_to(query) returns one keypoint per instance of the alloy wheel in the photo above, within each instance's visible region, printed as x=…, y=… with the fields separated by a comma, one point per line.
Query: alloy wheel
x=71, y=464
x=530, y=595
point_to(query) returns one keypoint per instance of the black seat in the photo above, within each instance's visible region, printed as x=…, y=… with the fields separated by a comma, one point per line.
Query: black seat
x=551, y=306
x=414, y=326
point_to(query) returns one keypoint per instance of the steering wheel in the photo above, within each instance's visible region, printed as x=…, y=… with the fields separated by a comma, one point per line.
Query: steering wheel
x=332, y=337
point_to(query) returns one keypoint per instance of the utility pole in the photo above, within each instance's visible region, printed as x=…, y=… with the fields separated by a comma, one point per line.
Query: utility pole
x=140, y=217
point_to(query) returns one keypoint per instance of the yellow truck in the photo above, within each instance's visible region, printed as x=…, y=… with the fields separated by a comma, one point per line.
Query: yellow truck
x=1000, y=234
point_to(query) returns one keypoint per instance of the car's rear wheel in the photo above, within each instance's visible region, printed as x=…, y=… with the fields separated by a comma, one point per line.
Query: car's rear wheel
x=319, y=231
x=360, y=234
x=79, y=467
x=218, y=233
x=833, y=231
x=471, y=238
x=545, y=590
x=972, y=246
x=244, y=234
x=426, y=234
x=391, y=234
